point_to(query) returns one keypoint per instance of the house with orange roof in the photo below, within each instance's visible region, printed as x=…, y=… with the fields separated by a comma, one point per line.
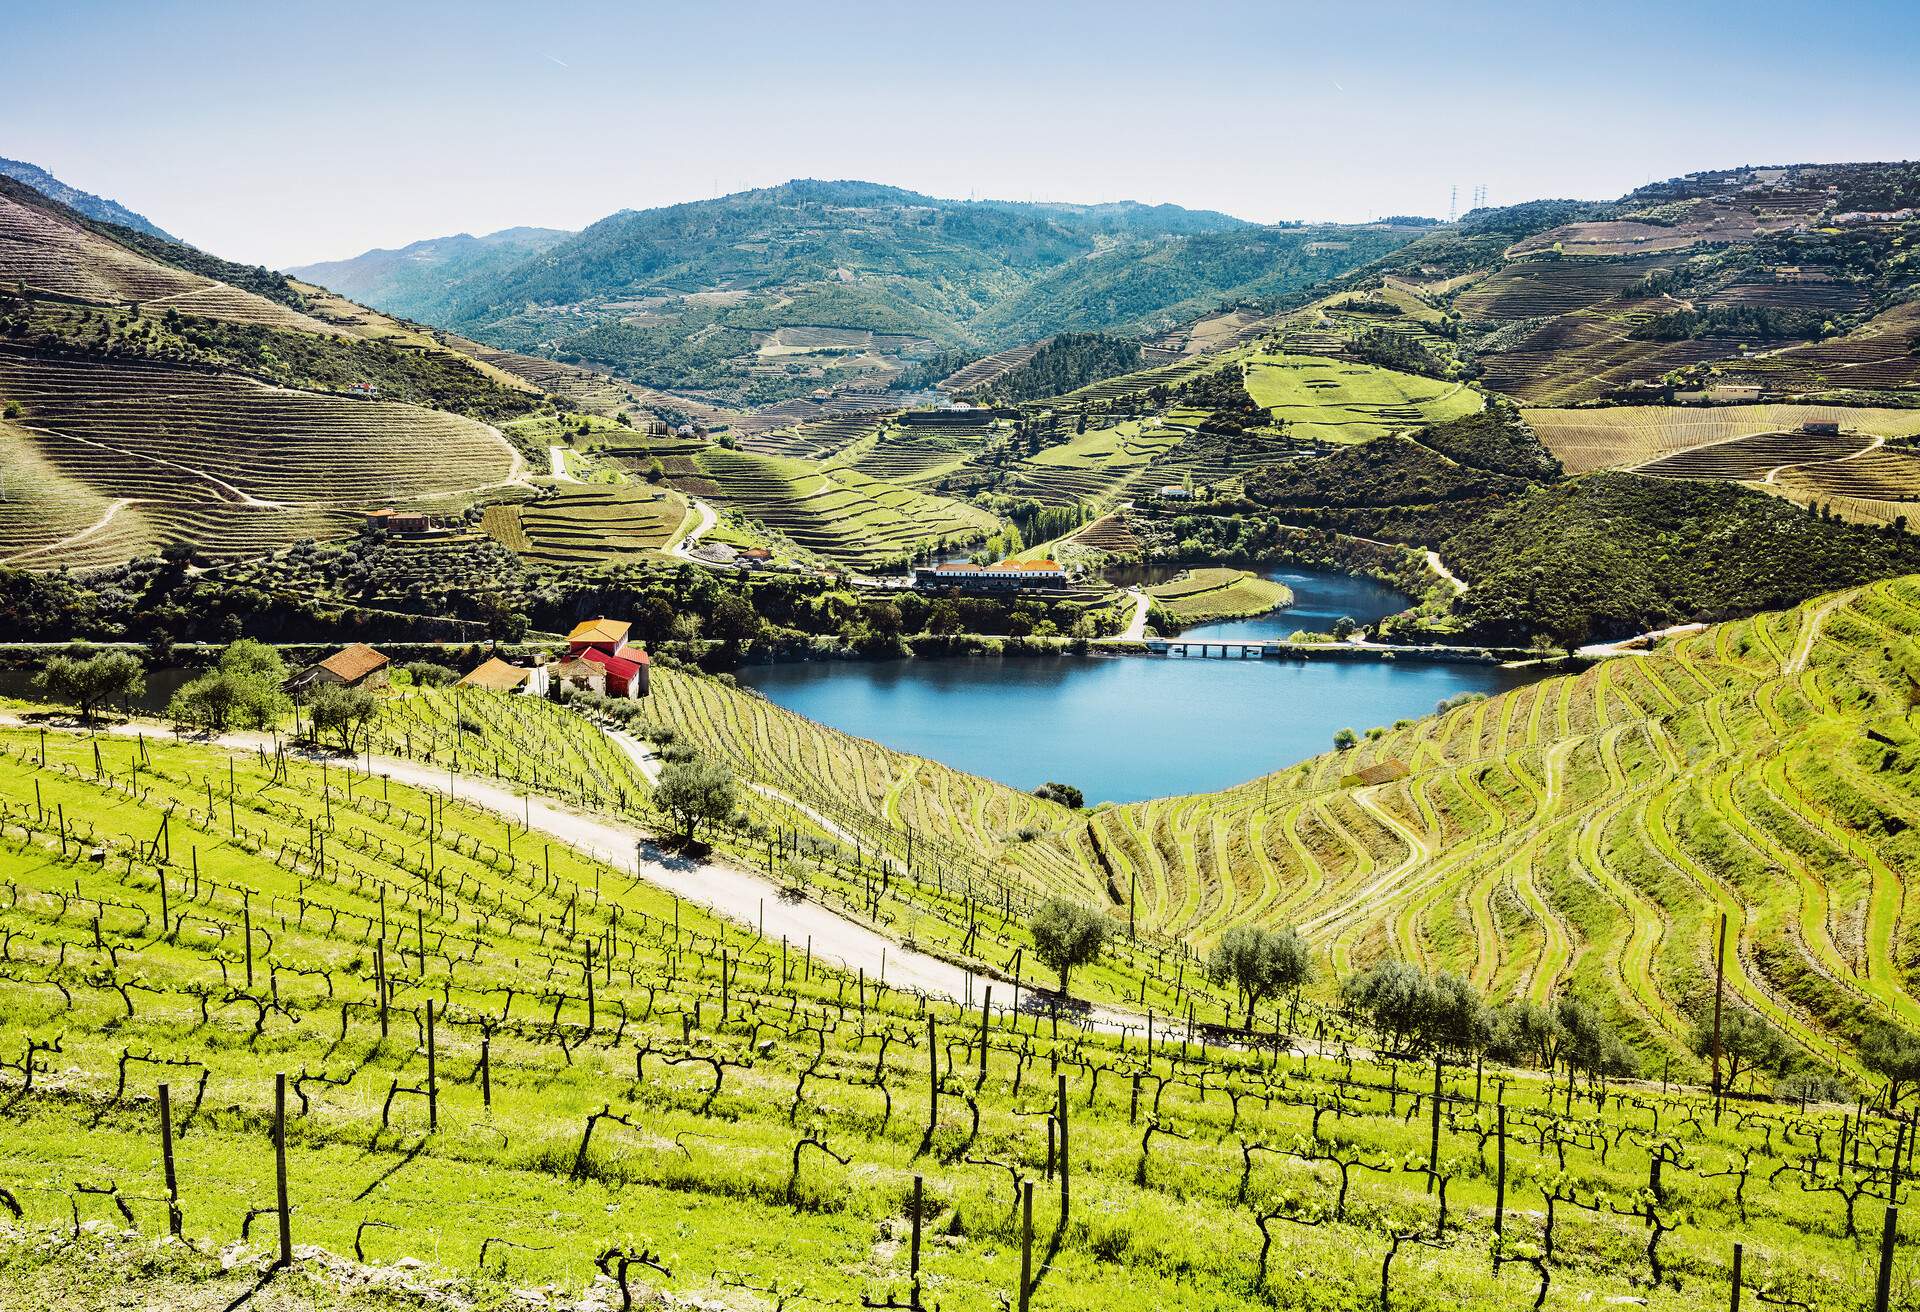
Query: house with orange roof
x=354, y=666
x=1013, y=574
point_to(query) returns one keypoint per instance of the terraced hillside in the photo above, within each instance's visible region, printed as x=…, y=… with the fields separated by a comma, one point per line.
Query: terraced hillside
x=583, y=525
x=839, y=514
x=161, y=455
x=1337, y=401
x=47, y=250
x=1586, y=832
x=1582, y=833
x=1626, y=436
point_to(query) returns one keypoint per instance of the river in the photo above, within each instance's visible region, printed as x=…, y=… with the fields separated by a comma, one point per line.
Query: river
x=1125, y=728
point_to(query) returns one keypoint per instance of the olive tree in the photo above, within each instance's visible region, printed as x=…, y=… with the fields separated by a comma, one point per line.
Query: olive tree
x=341, y=711
x=1749, y=1043
x=1260, y=962
x=86, y=681
x=1893, y=1053
x=696, y=792
x=1067, y=935
x=244, y=686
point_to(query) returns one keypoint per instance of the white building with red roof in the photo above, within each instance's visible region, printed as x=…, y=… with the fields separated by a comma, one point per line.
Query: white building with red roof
x=599, y=660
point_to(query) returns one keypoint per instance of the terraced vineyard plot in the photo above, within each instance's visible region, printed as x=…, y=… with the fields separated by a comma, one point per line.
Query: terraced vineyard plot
x=1877, y=356
x=1878, y=487
x=818, y=439
x=231, y=466
x=44, y=252
x=839, y=514
x=587, y=525
x=1335, y=401
x=1527, y=289
x=1586, y=354
x=1621, y=437
x=987, y=368
x=1753, y=458
x=1109, y=533
x=1101, y=464
x=1205, y=595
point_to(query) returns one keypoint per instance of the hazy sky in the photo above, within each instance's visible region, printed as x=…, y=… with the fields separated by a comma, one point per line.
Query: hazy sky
x=285, y=132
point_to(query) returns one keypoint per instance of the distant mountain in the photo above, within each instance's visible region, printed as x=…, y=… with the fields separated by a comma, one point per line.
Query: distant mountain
x=765, y=295
x=82, y=202
x=421, y=280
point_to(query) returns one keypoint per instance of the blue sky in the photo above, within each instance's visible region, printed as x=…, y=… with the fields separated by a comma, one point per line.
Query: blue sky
x=284, y=133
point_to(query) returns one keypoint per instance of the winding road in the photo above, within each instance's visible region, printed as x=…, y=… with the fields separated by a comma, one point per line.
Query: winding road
x=684, y=547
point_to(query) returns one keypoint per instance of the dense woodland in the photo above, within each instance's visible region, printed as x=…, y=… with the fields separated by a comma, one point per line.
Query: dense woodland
x=1066, y=362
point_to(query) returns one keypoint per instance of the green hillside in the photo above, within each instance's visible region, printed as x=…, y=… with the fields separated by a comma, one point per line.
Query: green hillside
x=766, y=295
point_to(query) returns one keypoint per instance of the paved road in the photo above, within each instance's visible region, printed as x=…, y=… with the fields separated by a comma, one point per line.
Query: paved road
x=684, y=547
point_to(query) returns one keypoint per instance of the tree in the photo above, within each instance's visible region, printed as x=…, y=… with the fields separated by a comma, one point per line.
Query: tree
x=696, y=792
x=1067, y=935
x=1392, y=997
x=1260, y=962
x=1065, y=794
x=1748, y=1043
x=1343, y=627
x=1893, y=1053
x=244, y=685
x=734, y=618
x=86, y=682
x=1457, y=1018
x=1524, y=1031
x=341, y=711
x=1345, y=738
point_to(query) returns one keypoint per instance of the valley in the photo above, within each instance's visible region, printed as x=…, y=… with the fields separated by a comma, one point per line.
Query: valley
x=836, y=746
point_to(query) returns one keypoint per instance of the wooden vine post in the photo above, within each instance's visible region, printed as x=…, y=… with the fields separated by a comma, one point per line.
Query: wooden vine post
x=280, y=1168
x=1433, y=1147
x=914, y=1267
x=1061, y=1113
x=1719, y=990
x=1889, y=1235
x=1500, y=1178
x=433, y=1075
x=1026, y=1245
x=986, y=1009
x=166, y=1162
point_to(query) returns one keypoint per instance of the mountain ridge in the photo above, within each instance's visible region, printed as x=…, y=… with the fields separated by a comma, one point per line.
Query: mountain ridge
x=83, y=202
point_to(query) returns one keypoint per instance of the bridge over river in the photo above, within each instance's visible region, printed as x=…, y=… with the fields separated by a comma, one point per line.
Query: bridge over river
x=1280, y=648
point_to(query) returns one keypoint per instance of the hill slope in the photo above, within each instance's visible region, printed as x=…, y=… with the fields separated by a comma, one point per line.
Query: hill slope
x=152, y=395
x=83, y=202
x=770, y=294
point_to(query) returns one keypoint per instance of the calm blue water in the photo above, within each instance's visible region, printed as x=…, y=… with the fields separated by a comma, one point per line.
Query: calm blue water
x=1124, y=728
